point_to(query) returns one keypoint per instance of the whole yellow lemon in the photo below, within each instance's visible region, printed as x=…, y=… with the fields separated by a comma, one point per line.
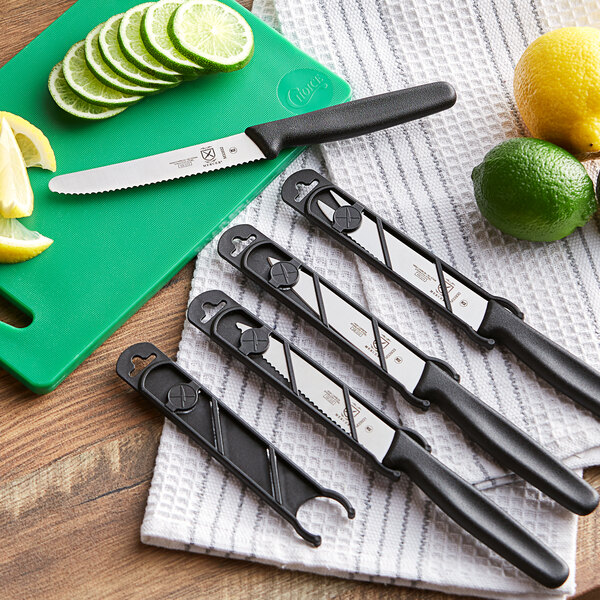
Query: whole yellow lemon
x=557, y=88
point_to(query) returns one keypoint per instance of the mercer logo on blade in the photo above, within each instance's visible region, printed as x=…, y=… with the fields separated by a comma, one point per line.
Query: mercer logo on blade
x=355, y=411
x=208, y=154
x=449, y=287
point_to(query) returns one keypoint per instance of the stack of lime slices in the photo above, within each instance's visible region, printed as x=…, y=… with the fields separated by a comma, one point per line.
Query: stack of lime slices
x=149, y=48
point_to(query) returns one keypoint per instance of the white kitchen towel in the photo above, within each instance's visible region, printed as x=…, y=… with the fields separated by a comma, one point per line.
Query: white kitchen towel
x=418, y=177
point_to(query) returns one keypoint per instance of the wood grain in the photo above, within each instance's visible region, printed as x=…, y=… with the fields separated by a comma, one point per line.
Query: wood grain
x=77, y=463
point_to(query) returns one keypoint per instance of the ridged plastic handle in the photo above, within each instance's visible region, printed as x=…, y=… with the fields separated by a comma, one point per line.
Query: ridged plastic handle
x=512, y=447
x=550, y=361
x=352, y=119
x=476, y=514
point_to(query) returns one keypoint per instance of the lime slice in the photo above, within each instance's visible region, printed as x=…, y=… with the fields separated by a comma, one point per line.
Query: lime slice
x=18, y=244
x=156, y=37
x=212, y=34
x=16, y=195
x=113, y=55
x=34, y=145
x=130, y=38
x=71, y=103
x=87, y=86
x=104, y=73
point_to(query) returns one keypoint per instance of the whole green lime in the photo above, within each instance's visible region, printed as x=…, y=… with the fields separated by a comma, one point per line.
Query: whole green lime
x=533, y=190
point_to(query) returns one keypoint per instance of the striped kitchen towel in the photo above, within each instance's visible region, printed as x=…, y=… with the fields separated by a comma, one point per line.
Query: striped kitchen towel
x=416, y=176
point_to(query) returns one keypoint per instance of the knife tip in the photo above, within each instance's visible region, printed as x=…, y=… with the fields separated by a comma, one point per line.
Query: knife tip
x=54, y=186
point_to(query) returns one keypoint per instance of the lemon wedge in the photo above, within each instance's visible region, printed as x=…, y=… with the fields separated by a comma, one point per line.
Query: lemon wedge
x=34, y=145
x=18, y=244
x=16, y=195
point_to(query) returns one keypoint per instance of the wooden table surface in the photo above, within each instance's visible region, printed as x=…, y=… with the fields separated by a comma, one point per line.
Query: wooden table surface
x=76, y=464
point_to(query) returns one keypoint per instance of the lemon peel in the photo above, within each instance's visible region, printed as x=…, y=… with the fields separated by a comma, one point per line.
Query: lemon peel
x=556, y=86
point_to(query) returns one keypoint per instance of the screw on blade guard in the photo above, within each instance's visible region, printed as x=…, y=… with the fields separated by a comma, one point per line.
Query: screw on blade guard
x=226, y=437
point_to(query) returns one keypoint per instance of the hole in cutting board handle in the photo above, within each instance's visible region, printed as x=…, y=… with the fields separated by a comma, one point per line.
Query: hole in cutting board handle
x=13, y=315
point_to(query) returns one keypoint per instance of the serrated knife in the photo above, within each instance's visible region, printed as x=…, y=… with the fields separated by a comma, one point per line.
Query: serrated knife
x=486, y=318
x=391, y=448
x=265, y=141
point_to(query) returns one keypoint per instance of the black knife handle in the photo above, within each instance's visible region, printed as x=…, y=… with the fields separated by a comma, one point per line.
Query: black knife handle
x=550, y=361
x=476, y=514
x=438, y=385
x=352, y=119
x=507, y=443
x=224, y=435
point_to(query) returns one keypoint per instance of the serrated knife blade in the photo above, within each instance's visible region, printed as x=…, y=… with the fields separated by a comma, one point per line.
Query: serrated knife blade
x=373, y=433
x=422, y=273
x=357, y=329
x=265, y=141
x=202, y=158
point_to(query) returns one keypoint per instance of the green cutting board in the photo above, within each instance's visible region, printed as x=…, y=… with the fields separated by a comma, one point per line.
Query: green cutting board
x=113, y=251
